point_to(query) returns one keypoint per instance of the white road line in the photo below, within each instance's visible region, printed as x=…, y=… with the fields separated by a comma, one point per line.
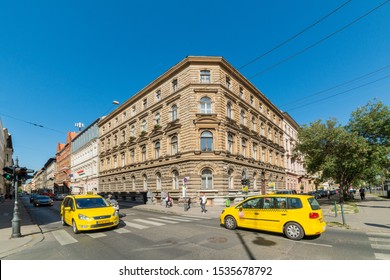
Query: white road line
x=380, y=247
x=197, y=217
x=375, y=239
x=379, y=256
x=122, y=230
x=378, y=234
x=162, y=220
x=96, y=234
x=148, y=222
x=133, y=225
x=180, y=219
x=63, y=237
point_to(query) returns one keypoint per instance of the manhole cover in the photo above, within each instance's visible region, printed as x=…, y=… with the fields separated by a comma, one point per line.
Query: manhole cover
x=217, y=239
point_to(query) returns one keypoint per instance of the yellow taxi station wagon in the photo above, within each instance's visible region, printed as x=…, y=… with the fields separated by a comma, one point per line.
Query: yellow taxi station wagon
x=293, y=215
x=88, y=212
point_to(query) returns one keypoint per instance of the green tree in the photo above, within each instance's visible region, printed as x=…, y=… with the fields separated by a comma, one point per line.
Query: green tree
x=332, y=151
x=372, y=122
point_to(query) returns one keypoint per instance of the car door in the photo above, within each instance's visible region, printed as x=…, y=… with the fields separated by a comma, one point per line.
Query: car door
x=249, y=213
x=273, y=213
x=68, y=210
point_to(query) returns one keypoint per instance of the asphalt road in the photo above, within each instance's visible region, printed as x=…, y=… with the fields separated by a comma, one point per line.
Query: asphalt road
x=144, y=235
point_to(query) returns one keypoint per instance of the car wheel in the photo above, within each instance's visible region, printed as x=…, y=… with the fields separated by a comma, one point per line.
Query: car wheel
x=63, y=221
x=74, y=227
x=230, y=222
x=294, y=231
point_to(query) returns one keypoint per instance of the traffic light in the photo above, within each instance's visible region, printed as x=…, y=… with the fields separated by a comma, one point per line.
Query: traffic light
x=8, y=173
x=23, y=173
x=245, y=182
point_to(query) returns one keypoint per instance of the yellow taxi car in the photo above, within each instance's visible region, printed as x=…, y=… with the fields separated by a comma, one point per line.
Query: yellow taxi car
x=293, y=215
x=88, y=212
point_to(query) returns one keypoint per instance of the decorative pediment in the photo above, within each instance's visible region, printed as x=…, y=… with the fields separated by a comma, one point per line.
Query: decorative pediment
x=172, y=126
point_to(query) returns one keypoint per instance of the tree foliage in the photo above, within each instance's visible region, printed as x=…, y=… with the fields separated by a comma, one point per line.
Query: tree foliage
x=348, y=154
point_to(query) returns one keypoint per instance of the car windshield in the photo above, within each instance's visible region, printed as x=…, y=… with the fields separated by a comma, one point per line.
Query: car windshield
x=42, y=197
x=314, y=203
x=93, y=202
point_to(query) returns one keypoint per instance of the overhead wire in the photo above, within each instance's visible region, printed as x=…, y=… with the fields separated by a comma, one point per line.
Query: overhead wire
x=336, y=86
x=320, y=41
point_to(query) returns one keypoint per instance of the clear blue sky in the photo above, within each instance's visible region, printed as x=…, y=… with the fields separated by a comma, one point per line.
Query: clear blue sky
x=63, y=62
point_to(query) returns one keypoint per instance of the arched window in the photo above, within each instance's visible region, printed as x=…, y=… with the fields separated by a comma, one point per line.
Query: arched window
x=174, y=145
x=143, y=153
x=157, y=119
x=157, y=150
x=175, y=180
x=174, y=112
x=230, y=143
x=242, y=117
x=158, y=181
x=145, y=182
x=132, y=131
x=207, y=179
x=205, y=105
x=133, y=182
x=206, y=141
x=230, y=180
x=243, y=147
x=229, y=110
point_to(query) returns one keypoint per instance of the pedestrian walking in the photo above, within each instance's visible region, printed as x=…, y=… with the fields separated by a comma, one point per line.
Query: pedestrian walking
x=168, y=201
x=227, y=202
x=187, y=204
x=362, y=193
x=203, y=201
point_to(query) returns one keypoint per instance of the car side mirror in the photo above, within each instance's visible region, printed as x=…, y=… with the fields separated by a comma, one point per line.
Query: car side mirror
x=67, y=208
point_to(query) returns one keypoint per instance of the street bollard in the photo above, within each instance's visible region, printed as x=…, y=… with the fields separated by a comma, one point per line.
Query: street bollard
x=342, y=212
x=335, y=209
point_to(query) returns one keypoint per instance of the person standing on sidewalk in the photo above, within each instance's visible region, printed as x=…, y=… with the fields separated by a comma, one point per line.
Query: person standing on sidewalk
x=203, y=201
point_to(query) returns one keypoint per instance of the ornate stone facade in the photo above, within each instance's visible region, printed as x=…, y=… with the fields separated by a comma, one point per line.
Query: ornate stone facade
x=201, y=120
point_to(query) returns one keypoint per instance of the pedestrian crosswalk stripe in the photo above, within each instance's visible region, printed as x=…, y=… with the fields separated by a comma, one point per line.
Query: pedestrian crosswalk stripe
x=63, y=237
x=122, y=230
x=379, y=234
x=165, y=221
x=379, y=256
x=180, y=219
x=196, y=217
x=148, y=222
x=133, y=225
x=375, y=239
x=380, y=246
x=96, y=234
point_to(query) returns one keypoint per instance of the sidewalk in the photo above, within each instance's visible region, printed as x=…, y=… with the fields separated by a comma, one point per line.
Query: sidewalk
x=31, y=233
x=372, y=215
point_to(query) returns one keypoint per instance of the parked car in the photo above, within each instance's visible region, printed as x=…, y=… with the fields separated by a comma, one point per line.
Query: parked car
x=41, y=200
x=293, y=215
x=88, y=212
x=59, y=196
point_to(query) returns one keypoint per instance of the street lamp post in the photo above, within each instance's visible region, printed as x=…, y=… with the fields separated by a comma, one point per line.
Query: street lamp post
x=16, y=219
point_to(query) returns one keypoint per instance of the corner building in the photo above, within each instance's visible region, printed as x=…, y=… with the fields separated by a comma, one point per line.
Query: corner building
x=201, y=124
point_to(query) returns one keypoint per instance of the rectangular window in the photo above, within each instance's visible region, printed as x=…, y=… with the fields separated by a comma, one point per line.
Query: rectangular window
x=174, y=85
x=205, y=76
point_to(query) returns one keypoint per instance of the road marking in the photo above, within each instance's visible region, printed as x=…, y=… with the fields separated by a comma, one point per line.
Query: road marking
x=197, y=217
x=379, y=256
x=375, y=239
x=96, y=234
x=122, y=230
x=148, y=222
x=63, y=237
x=378, y=234
x=162, y=220
x=180, y=219
x=133, y=225
x=380, y=247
